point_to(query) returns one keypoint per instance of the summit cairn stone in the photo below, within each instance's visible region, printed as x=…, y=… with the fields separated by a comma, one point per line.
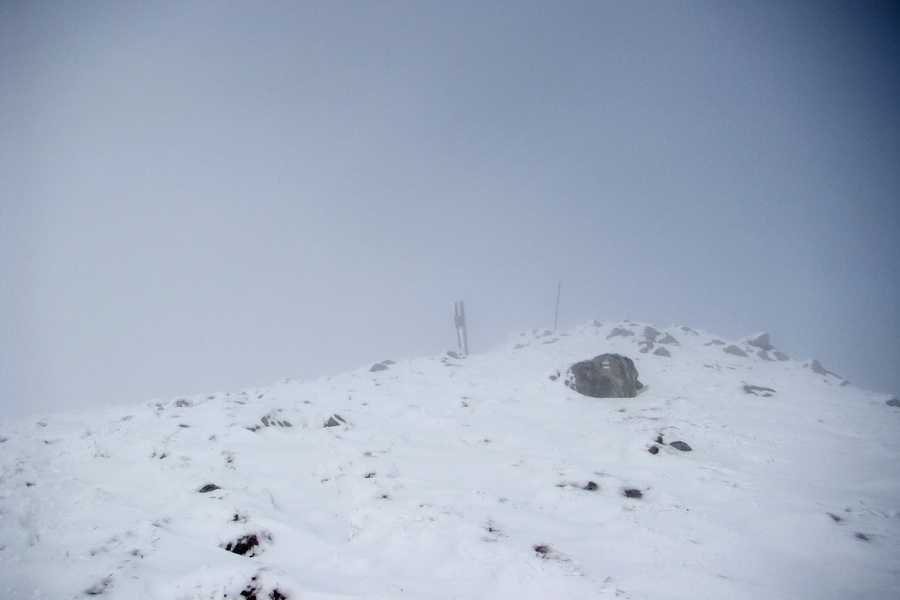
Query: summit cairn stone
x=605, y=376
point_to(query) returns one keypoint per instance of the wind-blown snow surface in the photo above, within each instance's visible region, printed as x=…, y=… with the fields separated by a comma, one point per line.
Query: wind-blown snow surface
x=481, y=477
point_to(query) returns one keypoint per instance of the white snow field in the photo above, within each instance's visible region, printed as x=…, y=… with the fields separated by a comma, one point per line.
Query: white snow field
x=479, y=477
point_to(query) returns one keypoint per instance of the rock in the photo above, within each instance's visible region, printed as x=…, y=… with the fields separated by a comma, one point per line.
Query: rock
x=893, y=402
x=651, y=333
x=620, y=332
x=760, y=340
x=653, y=449
x=764, y=355
x=732, y=349
x=605, y=376
x=781, y=355
x=334, y=421
x=633, y=493
x=378, y=367
x=591, y=486
x=817, y=367
x=715, y=343
x=209, y=487
x=668, y=339
x=662, y=352
x=646, y=346
x=681, y=446
x=757, y=390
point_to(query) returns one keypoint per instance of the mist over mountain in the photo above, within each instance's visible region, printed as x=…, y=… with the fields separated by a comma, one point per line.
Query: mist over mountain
x=735, y=472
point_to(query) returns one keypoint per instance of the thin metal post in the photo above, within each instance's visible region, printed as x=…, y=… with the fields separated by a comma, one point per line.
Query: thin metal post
x=556, y=318
x=459, y=319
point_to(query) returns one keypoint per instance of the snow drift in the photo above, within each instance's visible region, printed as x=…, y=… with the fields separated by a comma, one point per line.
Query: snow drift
x=736, y=473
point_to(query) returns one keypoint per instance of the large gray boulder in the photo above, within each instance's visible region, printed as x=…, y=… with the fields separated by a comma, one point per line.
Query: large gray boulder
x=605, y=376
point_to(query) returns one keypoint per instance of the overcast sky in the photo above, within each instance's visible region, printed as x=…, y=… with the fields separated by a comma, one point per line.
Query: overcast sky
x=208, y=196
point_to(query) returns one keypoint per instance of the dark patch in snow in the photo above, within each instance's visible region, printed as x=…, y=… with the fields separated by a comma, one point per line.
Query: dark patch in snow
x=653, y=449
x=591, y=486
x=734, y=350
x=836, y=518
x=668, y=339
x=633, y=493
x=862, y=536
x=684, y=447
x=209, y=487
x=99, y=587
x=543, y=550
x=662, y=352
x=893, y=402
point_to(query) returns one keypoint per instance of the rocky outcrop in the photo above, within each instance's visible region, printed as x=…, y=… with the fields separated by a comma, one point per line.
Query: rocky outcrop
x=605, y=376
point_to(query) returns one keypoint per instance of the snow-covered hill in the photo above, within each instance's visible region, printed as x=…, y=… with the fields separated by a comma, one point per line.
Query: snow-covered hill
x=477, y=477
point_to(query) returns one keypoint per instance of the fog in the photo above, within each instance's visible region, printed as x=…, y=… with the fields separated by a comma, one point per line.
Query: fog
x=210, y=196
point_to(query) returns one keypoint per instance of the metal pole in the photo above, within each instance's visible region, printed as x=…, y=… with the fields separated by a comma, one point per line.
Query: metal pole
x=556, y=318
x=462, y=313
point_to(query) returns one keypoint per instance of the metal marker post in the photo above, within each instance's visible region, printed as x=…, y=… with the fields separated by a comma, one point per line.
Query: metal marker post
x=459, y=318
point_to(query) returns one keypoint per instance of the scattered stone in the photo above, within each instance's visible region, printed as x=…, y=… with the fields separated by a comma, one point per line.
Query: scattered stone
x=605, y=376
x=668, y=339
x=659, y=439
x=651, y=333
x=760, y=340
x=645, y=346
x=781, y=355
x=764, y=355
x=209, y=487
x=893, y=402
x=454, y=354
x=757, y=390
x=591, y=486
x=684, y=447
x=378, y=367
x=654, y=449
x=620, y=332
x=633, y=493
x=662, y=352
x=862, y=536
x=835, y=518
x=732, y=349
x=542, y=549
x=817, y=367
x=334, y=421
x=715, y=343
x=247, y=545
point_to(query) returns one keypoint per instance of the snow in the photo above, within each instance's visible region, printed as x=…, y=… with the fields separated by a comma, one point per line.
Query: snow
x=475, y=477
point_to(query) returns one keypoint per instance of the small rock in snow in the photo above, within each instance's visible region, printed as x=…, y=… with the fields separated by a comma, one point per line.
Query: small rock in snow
x=681, y=446
x=334, y=421
x=209, y=487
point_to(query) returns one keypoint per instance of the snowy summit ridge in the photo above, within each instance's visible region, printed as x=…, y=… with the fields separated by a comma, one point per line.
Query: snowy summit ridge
x=736, y=473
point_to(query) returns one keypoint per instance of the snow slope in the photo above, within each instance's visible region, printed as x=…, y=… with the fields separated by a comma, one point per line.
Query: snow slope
x=478, y=477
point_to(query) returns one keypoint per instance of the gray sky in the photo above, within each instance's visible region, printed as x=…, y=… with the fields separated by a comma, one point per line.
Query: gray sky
x=204, y=196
